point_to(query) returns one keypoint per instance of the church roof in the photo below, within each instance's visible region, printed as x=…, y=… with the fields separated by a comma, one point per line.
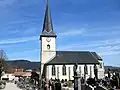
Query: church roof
x=47, y=25
x=72, y=57
x=97, y=56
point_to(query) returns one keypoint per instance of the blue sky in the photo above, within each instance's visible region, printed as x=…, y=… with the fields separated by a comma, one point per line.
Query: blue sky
x=81, y=25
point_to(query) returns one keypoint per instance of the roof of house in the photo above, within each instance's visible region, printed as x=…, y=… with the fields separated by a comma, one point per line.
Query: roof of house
x=18, y=73
x=26, y=74
x=72, y=57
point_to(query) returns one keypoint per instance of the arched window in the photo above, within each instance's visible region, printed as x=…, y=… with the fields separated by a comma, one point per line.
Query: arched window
x=64, y=70
x=85, y=69
x=53, y=70
x=48, y=46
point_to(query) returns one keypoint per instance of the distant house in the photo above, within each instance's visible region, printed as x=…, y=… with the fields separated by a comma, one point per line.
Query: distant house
x=59, y=64
x=14, y=69
x=28, y=70
x=19, y=74
x=18, y=69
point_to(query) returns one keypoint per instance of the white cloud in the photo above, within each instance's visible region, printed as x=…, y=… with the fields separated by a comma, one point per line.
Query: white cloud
x=73, y=32
x=25, y=52
x=13, y=32
x=110, y=47
x=22, y=55
x=105, y=47
x=108, y=33
x=4, y=3
x=25, y=58
x=95, y=32
x=106, y=53
x=30, y=31
x=19, y=40
x=97, y=43
x=20, y=22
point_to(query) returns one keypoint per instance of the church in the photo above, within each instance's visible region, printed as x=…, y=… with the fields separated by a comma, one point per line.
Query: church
x=59, y=64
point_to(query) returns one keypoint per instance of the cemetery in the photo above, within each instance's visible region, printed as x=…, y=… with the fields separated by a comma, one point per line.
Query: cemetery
x=110, y=82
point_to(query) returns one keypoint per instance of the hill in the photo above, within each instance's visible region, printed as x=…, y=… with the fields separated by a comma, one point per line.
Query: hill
x=25, y=64
x=112, y=67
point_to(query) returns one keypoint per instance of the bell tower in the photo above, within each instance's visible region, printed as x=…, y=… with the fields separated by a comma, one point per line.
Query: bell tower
x=48, y=39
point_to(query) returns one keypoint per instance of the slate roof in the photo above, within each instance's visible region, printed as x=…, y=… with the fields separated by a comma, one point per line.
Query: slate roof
x=97, y=56
x=72, y=57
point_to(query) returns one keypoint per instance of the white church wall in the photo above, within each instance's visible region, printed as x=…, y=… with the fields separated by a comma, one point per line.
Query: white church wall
x=101, y=73
x=48, y=54
x=68, y=76
x=89, y=71
x=52, y=42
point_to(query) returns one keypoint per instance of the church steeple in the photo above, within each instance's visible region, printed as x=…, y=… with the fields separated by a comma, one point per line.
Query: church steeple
x=47, y=25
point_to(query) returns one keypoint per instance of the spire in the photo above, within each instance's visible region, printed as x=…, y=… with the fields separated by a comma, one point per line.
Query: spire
x=47, y=25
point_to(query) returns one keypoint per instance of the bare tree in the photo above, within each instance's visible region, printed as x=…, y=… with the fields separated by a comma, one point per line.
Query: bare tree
x=3, y=65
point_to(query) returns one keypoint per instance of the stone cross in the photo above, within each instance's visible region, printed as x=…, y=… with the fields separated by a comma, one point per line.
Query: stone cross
x=90, y=71
x=75, y=69
x=96, y=72
x=85, y=72
x=80, y=71
x=77, y=83
x=77, y=80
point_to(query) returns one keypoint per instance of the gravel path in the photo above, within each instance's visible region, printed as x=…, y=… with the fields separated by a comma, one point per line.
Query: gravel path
x=11, y=86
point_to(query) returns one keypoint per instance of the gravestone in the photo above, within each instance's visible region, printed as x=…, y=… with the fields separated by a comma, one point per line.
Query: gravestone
x=96, y=72
x=77, y=83
x=77, y=79
x=58, y=86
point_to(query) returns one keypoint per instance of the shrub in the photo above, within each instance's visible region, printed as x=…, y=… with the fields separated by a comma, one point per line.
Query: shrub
x=69, y=84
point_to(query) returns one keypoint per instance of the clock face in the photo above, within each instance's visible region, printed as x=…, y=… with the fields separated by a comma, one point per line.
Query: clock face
x=48, y=39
